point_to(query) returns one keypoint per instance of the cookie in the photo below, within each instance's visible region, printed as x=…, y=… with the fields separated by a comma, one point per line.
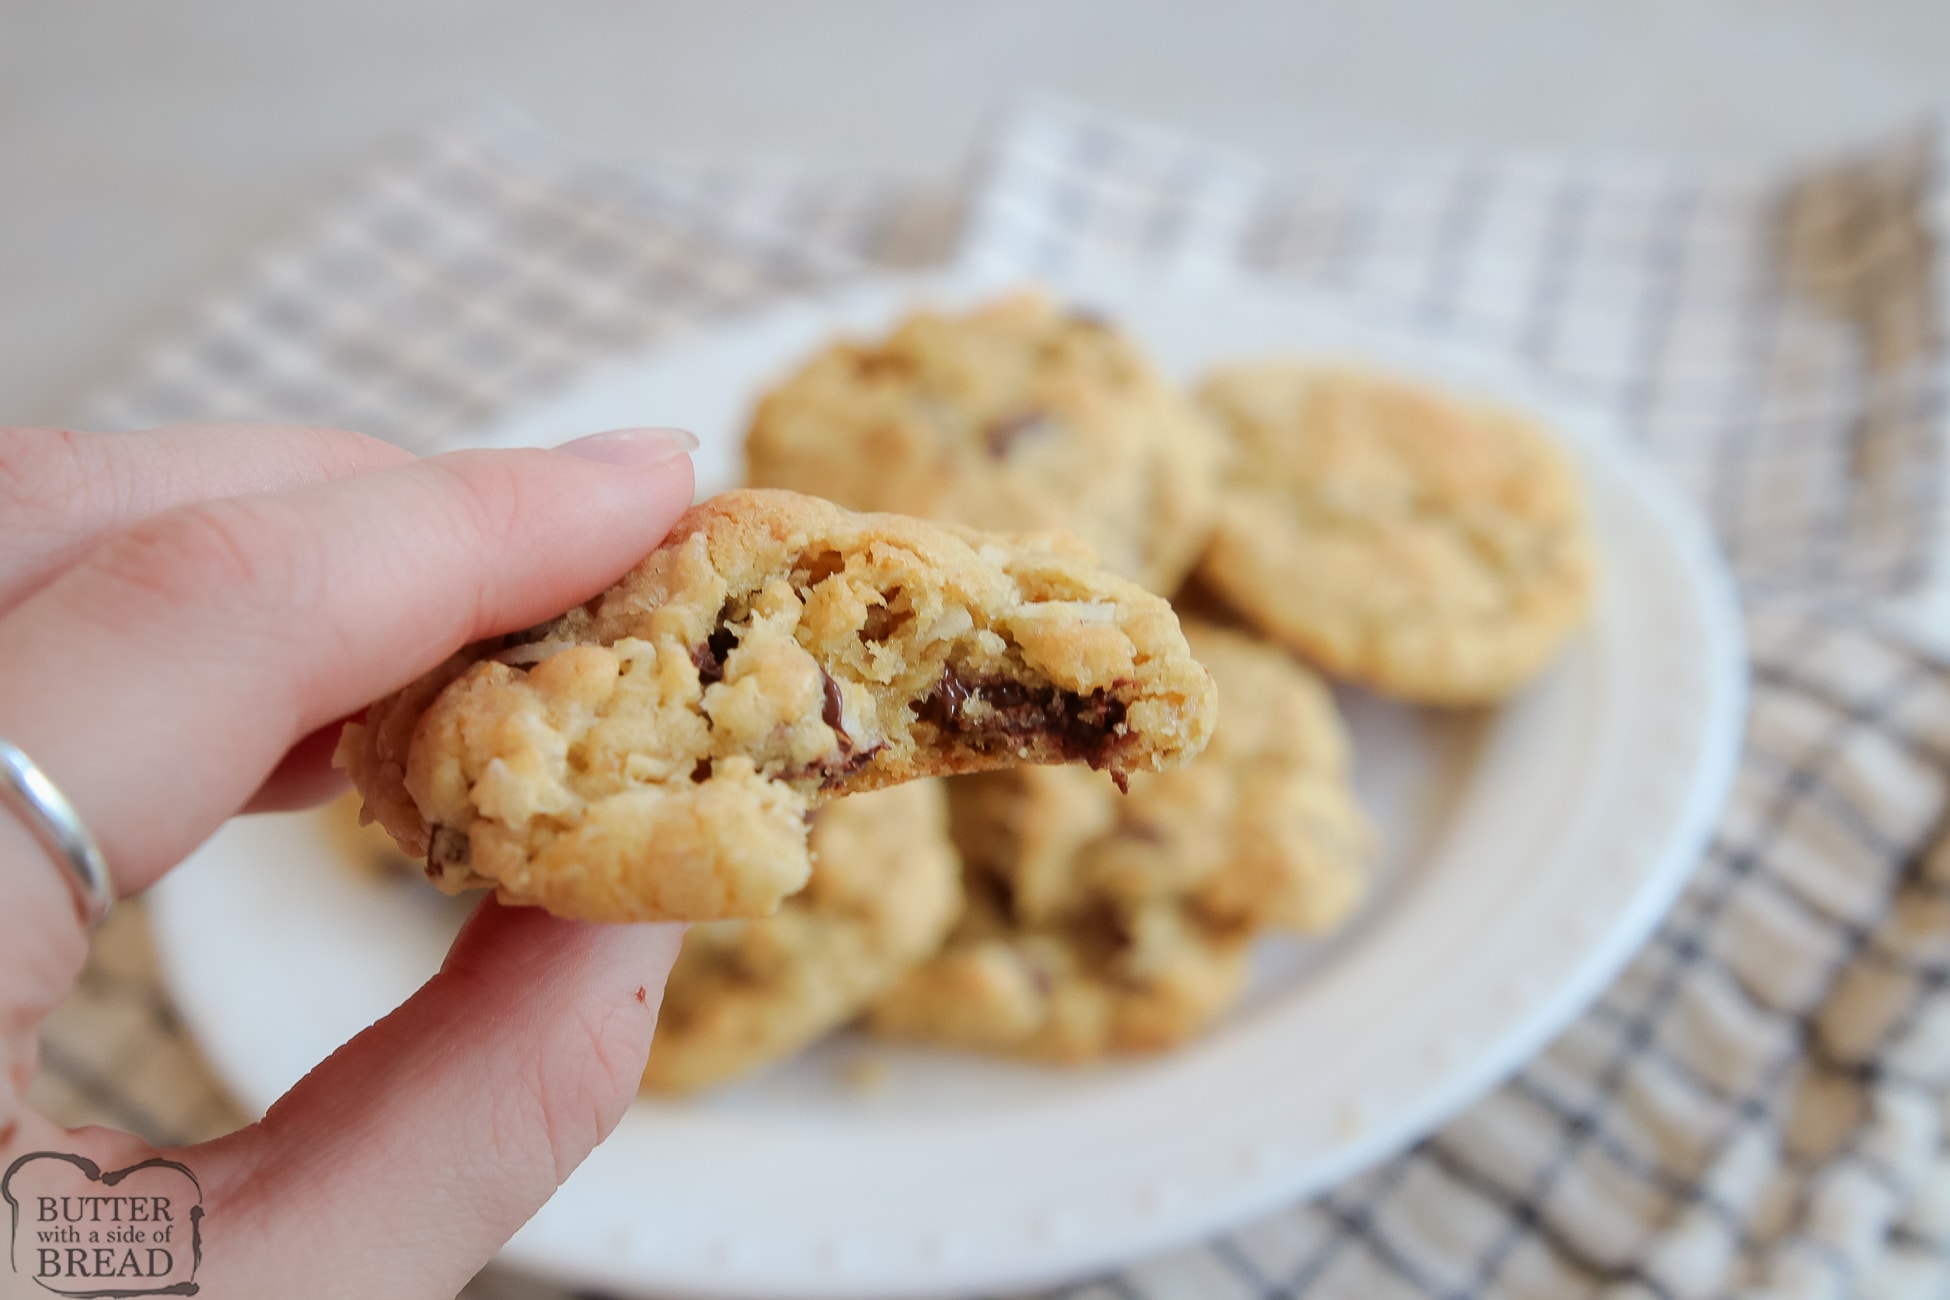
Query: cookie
x=1102, y=923
x=1262, y=829
x=1429, y=548
x=1119, y=978
x=652, y=754
x=1016, y=415
x=885, y=886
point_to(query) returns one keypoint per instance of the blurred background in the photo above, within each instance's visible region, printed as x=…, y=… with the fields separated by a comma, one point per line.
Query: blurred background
x=146, y=147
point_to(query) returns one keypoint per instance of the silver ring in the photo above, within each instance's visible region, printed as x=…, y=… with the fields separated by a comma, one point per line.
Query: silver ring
x=46, y=812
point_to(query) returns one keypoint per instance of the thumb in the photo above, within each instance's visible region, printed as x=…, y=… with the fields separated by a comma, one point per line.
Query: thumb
x=403, y=1162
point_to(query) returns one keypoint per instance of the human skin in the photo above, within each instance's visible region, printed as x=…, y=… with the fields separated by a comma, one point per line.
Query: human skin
x=186, y=616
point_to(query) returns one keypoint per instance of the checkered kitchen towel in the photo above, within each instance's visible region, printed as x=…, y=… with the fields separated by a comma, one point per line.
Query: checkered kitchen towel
x=1758, y=1107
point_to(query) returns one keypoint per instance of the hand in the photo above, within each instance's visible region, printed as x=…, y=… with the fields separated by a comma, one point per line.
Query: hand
x=186, y=616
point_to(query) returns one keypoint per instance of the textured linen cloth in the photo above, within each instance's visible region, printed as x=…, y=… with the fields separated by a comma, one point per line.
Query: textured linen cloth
x=1758, y=1106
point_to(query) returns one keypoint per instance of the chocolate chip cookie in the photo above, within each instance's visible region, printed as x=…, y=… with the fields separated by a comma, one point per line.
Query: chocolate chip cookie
x=1428, y=547
x=1118, y=978
x=1102, y=923
x=652, y=755
x=1017, y=415
x=885, y=886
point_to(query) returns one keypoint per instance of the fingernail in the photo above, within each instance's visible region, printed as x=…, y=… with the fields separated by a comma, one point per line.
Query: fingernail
x=632, y=446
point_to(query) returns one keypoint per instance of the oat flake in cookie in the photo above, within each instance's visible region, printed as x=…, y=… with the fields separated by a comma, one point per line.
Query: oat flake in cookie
x=1017, y=415
x=1422, y=545
x=653, y=754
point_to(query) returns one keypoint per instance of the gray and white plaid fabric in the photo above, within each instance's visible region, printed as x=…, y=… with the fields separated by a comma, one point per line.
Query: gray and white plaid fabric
x=477, y=263
x=1758, y=1107
x=1774, y=340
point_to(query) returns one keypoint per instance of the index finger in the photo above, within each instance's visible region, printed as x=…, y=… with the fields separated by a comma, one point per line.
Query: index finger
x=161, y=678
x=62, y=491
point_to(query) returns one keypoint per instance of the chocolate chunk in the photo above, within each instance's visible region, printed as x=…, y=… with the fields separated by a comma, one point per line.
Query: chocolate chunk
x=1013, y=708
x=1083, y=726
x=702, y=772
x=710, y=656
x=1003, y=434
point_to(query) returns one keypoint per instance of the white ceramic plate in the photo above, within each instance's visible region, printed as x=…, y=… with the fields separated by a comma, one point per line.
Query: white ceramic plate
x=1526, y=854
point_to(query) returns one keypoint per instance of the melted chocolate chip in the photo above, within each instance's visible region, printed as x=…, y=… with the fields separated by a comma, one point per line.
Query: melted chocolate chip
x=702, y=772
x=710, y=656
x=944, y=704
x=1083, y=726
x=833, y=714
x=834, y=771
x=1002, y=435
x=846, y=760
